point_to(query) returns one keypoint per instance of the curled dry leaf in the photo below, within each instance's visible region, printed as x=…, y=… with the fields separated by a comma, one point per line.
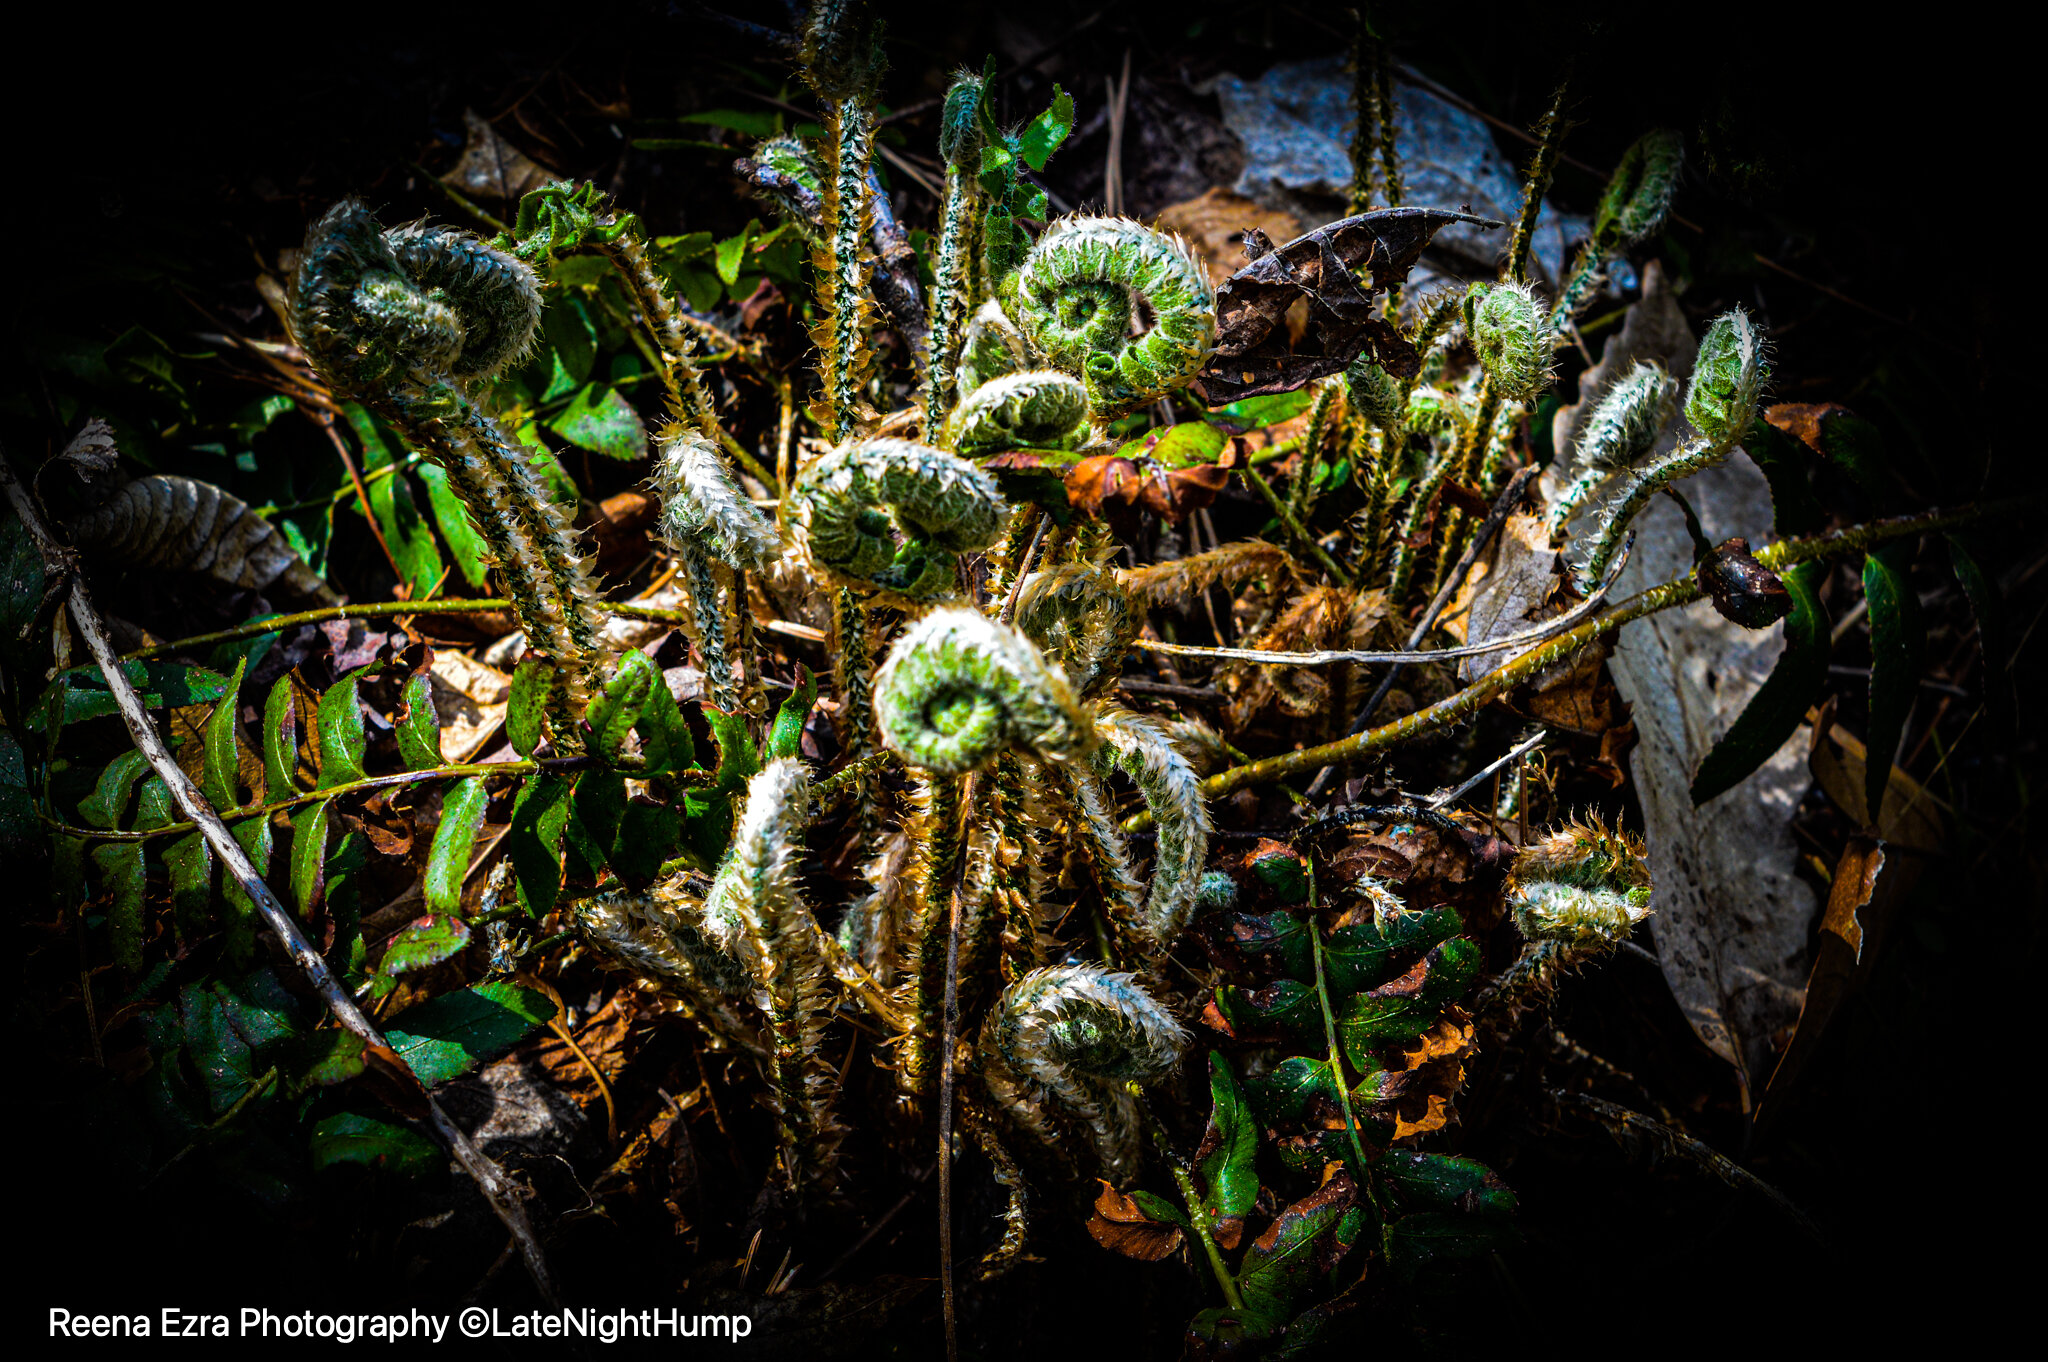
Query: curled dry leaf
x=1337, y=269
x=1431, y=1074
x=1120, y=1226
x=491, y=167
x=184, y=525
x=1115, y=487
x=1217, y=225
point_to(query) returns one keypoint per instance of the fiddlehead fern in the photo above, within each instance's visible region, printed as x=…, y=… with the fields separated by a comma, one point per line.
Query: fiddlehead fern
x=1128, y=309
x=651, y=933
x=1144, y=750
x=842, y=65
x=755, y=910
x=1081, y=1033
x=960, y=144
x=991, y=347
x=1041, y=409
x=942, y=506
x=1634, y=204
x=1580, y=885
x=1624, y=425
x=364, y=310
x=1727, y=381
x=1083, y=617
x=705, y=516
x=1511, y=336
x=958, y=688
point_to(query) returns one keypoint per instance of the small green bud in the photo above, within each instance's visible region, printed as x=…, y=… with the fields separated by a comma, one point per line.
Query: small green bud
x=1511, y=333
x=1374, y=393
x=1727, y=379
x=1215, y=892
x=1639, y=195
x=960, y=122
x=1580, y=884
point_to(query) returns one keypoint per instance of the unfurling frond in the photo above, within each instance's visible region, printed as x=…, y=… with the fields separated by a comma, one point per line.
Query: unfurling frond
x=1038, y=409
x=1144, y=750
x=1581, y=884
x=942, y=506
x=1083, y=618
x=703, y=505
x=1179, y=582
x=958, y=688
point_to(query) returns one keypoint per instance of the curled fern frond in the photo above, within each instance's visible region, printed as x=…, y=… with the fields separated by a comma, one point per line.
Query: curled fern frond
x=1037, y=409
x=991, y=347
x=494, y=296
x=1081, y=1032
x=958, y=688
x=1083, y=618
x=703, y=505
x=1182, y=580
x=1144, y=750
x=1129, y=310
x=1638, y=196
x=652, y=934
x=1622, y=428
x=1511, y=334
x=1580, y=884
x=942, y=506
x=1375, y=394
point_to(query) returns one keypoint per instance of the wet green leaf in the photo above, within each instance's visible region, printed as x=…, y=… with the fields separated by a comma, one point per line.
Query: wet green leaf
x=346, y=1137
x=218, y=780
x=567, y=327
x=1285, y=1003
x=1898, y=635
x=472, y=553
x=1042, y=136
x=1414, y=1241
x=1253, y=412
x=407, y=534
x=534, y=679
x=120, y=867
x=600, y=420
x=616, y=708
x=426, y=940
x=732, y=251
x=1410, y=1005
x=665, y=740
x=190, y=863
x=1779, y=705
x=785, y=738
x=1358, y=956
x=534, y=840
x=158, y=685
x=1180, y=446
x=339, y=731
x=261, y=1010
x=309, y=855
x=1230, y=1182
x=21, y=597
x=107, y=805
x=462, y=810
x=254, y=837
x=419, y=727
x=1283, y=871
x=280, y=741
x=1443, y=1182
x=1281, y=935
x=220, y=1055
x=448, y=1036
x=324, y=1059
x=1284, y=1260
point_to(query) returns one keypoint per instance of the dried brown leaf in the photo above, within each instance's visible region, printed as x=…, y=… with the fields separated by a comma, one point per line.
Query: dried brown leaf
x=492, y=167
x=1119, y=1226
x=184, y=525
x=1216, y=225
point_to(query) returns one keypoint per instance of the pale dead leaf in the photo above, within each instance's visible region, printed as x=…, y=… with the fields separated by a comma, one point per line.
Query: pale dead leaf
x=491, y=167
x=470, y=701
x=1215, y=225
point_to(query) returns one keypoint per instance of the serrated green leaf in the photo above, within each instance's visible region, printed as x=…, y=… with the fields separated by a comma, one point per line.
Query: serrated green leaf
x=534, y=840
x=154, y=807
x=1409, y=1006
x=219, y=1055
x=738, y=762
x=261, y=1010
x=1358, y=956
x=324, y=1059
x=120, y=867
x=426, y=940
x=1181, y=446
x=419, y=727
x=223, y=757
x=1281, y=935
x=732, y=251
x=616, y=708
x=407, y=534
x=1443, y=1182
x=1779, y=705
x=107, y=805
x=665, y=741
x=280, y=741
x=785, y=737
x=600, y=420
x=190, y=863
x=1042, y=136
x=472, y=553
x=1283, y=871
x=1898, y=636
x=1283, y=1261
x=462, y=810
x=309, y=855
x=1253, y=412
x=254, y=837
x=24, y=652
x=339, y=733
x=1285, y=1003
x=534, y=679
x=1230, y=1183
x=346, y=1137
x=1414, y=1241
x=448, y=1036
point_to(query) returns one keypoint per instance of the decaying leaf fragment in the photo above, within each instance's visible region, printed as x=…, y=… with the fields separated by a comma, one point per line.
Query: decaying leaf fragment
x=1121, y=1226
x=185, y=525
x=1338, y=268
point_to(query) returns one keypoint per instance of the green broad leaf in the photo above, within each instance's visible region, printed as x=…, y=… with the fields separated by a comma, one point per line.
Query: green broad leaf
x=1042, y=136
x=222, y=755
x=1290, y=1255
x=1180, y=446
x=21, y=597
x=1410, y=1005
x=665, y=740
x=254, y=837
x=120, y=867
x=346, y=1137
x=339, y=733
x=324, y=1059
x=733, y=251
x=1158, y=1208
x=616, y=708
x=426, y=940
x=1415, y=1241
x=107, y=805
x=1284, y=1092
x=1898, y=636
x=753, y=122
x=1779, y=705
x=534, y=679
x=309, y=855
x=1287, y=1003
x=1280, y=935
x=260, y=1009
x=738, y=760
x=534, y=840
x=601, y=421
x=458, y=529
x=567, y=327
x=1785, y=462
x=1253, y=412
x=419, y=727
x=1443, y=1182
x=407, y=534
x=159, y=685
x=1989, y=611
x=1230, y=1182
x=221, y=1057
x=1358, y=956
x=154, y=807
x=190, y=863
x=785, y=736
x=1283, y=871
x=446, y=1037
x=280, y=741
x=462, y=810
